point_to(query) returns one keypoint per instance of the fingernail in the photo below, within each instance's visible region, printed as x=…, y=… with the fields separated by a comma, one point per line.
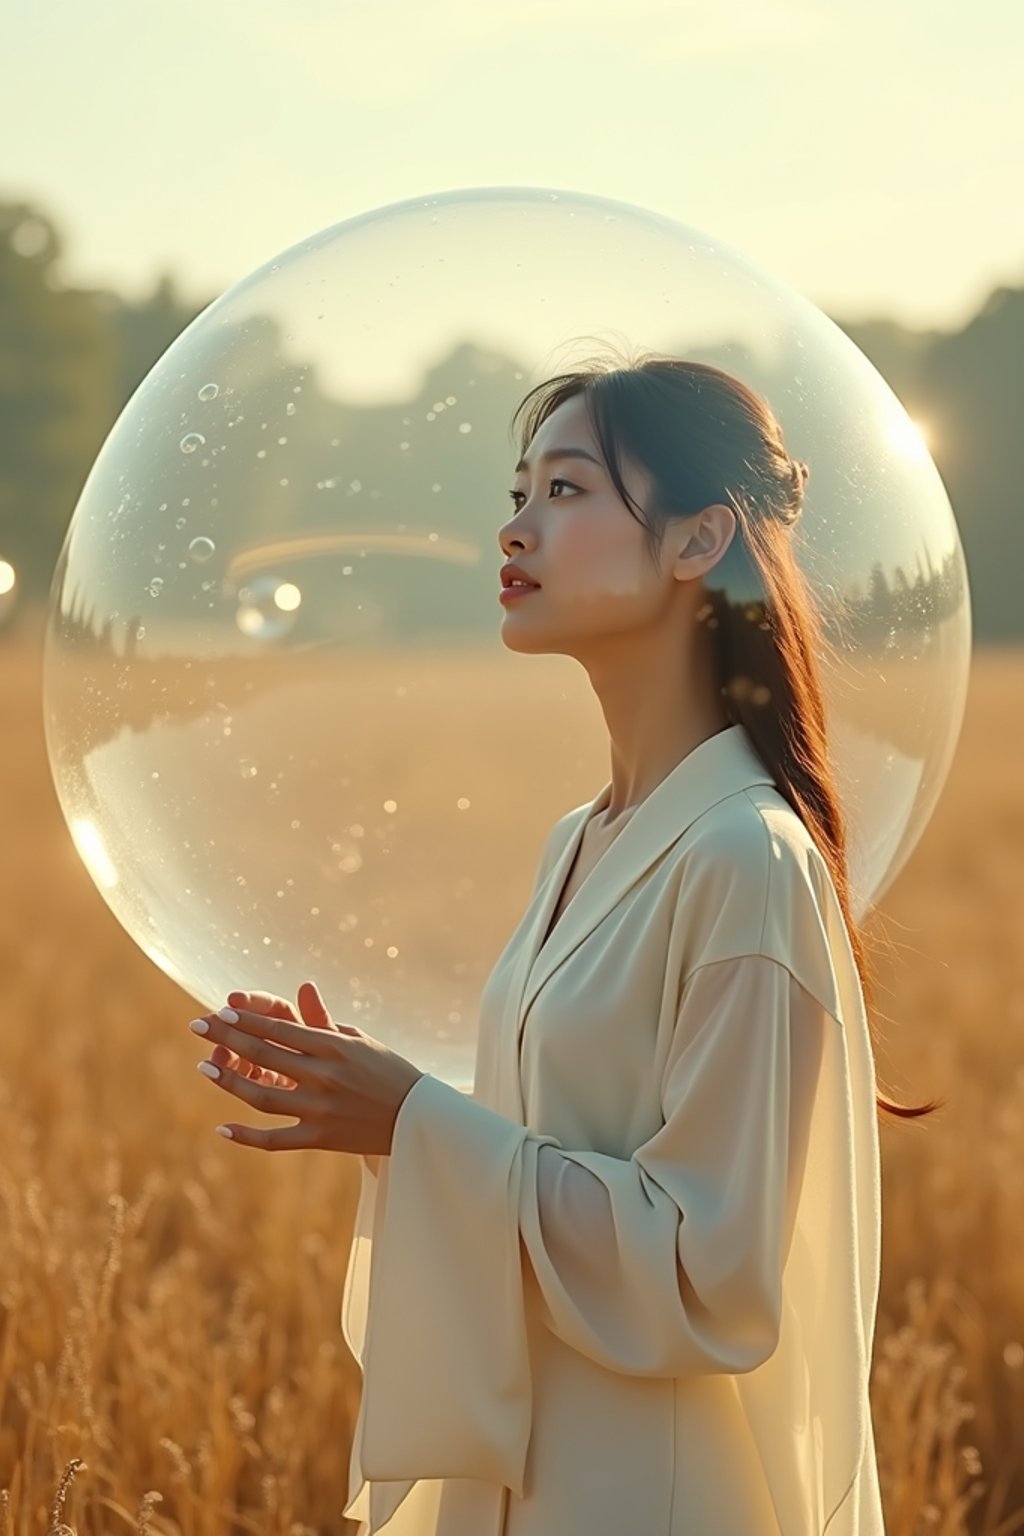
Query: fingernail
x=228, y=1015
x=199, y=1027
x=208, y=1069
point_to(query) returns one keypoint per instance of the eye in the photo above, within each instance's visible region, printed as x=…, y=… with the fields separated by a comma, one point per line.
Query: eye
x=556, y=481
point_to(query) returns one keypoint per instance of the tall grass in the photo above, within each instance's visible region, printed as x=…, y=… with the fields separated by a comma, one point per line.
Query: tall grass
x=170, y=1352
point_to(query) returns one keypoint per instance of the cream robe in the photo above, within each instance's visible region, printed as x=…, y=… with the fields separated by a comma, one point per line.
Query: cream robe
x=628, y=1286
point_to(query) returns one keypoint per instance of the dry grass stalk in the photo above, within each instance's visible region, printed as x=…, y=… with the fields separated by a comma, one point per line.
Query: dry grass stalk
x=57, y=1526
x=144, y=1517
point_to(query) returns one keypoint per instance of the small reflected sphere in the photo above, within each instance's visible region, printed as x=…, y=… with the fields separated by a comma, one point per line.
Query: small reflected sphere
x=201, y=549
x=287, y=719
x=268, y=607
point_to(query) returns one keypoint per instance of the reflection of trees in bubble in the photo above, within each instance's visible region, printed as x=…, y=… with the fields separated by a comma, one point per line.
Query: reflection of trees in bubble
x=108, y=685
x=411, y=525
x=890, y=610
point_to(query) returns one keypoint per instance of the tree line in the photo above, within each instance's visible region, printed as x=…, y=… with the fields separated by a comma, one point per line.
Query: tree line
x=70, y=358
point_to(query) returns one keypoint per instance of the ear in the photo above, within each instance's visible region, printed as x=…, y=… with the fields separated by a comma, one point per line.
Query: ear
x=705, y=538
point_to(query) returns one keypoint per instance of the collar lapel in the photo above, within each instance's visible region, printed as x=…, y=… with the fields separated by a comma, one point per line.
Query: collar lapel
x=720, y=766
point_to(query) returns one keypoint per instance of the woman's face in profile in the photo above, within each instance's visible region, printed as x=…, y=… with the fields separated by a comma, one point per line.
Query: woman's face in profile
x=571, y=533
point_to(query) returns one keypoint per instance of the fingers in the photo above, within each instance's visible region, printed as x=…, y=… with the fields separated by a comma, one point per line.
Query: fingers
x=269, y=1099
x=274, y=1138
x=315, y=1014
x=265, y=1002
x=273, y=1007
x=221, y=1056
x=277, y=1043
x=312, y=1006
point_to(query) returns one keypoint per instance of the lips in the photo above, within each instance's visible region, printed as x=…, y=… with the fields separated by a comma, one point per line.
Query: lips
x=511, y=574
x=510, y=593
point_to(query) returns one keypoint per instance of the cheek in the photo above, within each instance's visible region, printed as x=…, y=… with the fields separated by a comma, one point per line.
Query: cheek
x=598, y=564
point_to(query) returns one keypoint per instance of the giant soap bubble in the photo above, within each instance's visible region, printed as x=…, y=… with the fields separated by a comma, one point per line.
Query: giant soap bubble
x=283, y=727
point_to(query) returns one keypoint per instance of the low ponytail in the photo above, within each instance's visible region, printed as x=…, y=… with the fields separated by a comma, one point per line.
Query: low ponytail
x=705, y=437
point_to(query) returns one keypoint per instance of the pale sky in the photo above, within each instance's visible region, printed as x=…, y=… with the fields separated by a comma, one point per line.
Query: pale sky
x=868, y=152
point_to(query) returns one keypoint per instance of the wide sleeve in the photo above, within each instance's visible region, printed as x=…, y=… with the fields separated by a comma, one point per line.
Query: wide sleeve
x=665, y=1263
x=670, y=1263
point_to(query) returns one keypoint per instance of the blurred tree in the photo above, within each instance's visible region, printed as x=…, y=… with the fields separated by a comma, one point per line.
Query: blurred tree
x=69, y=361
x=57, y=393
x=974, y=391
x=144, y=331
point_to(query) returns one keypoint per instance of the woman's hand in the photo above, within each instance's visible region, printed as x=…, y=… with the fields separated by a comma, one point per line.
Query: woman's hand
x=276, y=1008
x=345, y=1087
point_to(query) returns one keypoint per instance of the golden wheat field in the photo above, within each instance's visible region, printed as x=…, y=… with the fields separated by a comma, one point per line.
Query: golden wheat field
x=171, y=1357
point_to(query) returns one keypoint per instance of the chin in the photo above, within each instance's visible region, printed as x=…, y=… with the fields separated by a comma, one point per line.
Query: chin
x=521, y=641
x=539, y=642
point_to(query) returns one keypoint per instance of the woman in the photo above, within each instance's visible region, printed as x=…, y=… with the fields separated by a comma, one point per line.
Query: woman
x=628, y=1288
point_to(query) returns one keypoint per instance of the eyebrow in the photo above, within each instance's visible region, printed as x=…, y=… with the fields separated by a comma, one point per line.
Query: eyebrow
x=561, y=453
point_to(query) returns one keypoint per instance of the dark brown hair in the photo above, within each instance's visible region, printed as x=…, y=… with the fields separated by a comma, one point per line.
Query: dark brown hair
x=705, y=437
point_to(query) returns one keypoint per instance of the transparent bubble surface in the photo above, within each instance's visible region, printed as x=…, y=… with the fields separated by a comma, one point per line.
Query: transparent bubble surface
x=305, y=757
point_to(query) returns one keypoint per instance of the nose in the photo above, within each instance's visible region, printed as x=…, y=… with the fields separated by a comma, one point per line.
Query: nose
x=509, y=541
